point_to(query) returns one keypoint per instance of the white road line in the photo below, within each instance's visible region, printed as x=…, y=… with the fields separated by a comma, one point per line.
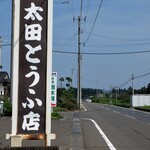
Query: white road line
x=84, y=107
x=130, y=117
x=116, y=111
x=110, y=145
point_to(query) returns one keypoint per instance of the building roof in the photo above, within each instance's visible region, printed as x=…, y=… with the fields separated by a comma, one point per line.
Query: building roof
x=4, y=77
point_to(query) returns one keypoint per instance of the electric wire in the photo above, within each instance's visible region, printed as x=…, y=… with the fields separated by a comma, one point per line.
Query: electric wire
x=88, y=8
x=81, y=8
x=143, y=72
x=124, y=83
x=139, y=76
x=115, y=45
x=114, y=53
x=118, y=45
x=68, y=41
x=5, y=45
x=114, y=38
x=64, y=2
x=100, y=5
x=133, y=77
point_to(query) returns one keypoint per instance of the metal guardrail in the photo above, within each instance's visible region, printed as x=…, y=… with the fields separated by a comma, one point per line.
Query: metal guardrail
x=31, y=148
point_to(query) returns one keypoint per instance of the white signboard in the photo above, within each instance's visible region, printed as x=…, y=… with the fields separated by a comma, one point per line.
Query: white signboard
x=54, y=90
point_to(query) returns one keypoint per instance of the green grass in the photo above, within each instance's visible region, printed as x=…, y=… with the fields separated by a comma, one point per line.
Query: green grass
x=112, y=101
x=120, y=102
x=144, y=108
x=56, y=115
x=123, y=105
x=58, y=109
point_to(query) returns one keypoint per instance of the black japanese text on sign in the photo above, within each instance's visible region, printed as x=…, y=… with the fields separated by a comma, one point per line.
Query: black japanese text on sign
x=32, y=66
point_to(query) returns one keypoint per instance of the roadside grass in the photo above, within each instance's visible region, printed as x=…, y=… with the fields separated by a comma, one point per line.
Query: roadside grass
x=55, y=114
x=116, y=102
x=144, y=108
x=58, y=109
x=147, y=107
x=121, y=103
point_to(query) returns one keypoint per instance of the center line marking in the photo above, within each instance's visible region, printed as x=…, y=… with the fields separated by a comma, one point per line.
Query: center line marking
x=130, y=117
x=116, y=111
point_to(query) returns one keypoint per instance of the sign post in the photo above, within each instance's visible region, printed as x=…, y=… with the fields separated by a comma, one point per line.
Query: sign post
x=32, y=69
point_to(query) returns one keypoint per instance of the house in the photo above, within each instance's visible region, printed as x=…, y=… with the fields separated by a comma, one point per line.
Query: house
x=4, y=83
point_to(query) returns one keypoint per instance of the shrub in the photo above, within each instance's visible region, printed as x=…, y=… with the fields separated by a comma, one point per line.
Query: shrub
x=69, y=105
x=56, y=115
x=7, y=106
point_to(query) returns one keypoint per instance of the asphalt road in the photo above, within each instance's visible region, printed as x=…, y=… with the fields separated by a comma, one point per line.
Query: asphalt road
x=109, y=127
x=100, y=127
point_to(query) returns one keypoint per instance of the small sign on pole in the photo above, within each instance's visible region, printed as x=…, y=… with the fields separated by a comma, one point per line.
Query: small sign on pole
x=54, y=90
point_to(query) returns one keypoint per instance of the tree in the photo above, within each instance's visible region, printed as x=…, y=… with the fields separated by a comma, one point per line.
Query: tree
x=69, y=81
x=68, y=86
x=61, y=81
x=148, y=89
x=129, y=91
x=143, y=90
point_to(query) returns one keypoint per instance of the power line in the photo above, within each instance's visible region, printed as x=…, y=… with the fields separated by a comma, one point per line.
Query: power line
x=139, y=76
x=87, y=8
x=113, y=45
x=81, y=9
x=114, y=53
x=120, y=45
x=124, y=83
x=143, y=72
x=100, y=5
x=6, y=45
x=64, y=2
x=86, y=15
x=134, y=77
x=68, y=40
x=114, y=38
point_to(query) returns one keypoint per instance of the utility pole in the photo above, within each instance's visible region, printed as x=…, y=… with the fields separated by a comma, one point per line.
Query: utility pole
x=72, y=70
x=79, y=65
x=116, y=94
x=79, y=93
x=110, y=94
x=97, y=91
x=132, y=85
x=0, y=52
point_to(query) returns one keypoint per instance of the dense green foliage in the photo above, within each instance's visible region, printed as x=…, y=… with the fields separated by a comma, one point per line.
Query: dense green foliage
x=7, y=106
x=66, y=99
x=120, y=97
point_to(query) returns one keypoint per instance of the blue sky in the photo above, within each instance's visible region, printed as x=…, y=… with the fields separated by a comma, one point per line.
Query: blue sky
x=121, y=26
